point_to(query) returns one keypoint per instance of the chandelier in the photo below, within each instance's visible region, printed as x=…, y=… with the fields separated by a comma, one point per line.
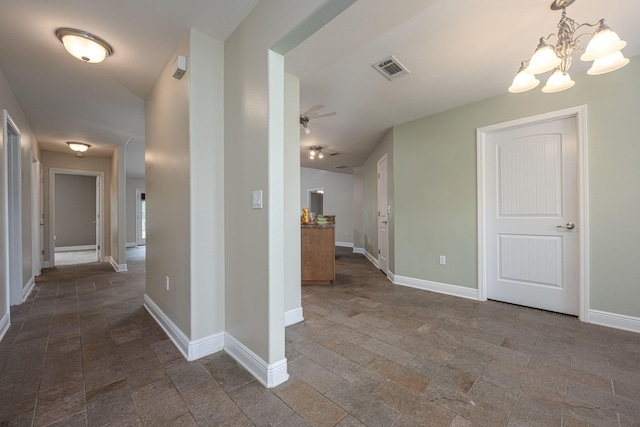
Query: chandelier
x=603, y=49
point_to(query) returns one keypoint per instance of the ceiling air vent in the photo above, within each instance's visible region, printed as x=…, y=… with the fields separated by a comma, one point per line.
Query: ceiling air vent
x=391, y=68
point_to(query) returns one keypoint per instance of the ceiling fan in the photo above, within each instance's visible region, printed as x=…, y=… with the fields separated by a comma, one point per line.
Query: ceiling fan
x=312, y=114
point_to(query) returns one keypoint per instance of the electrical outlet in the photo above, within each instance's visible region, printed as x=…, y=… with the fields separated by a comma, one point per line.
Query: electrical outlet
x=167, y=281
x=443, y=260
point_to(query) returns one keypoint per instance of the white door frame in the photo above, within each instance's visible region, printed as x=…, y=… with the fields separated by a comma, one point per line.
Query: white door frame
x=37, y=217
x=13, y=209
x=580, y=114
x=52, y=209
x=384, y=268
x=139, y=239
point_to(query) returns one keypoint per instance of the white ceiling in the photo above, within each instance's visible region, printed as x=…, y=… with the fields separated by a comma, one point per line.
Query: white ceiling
x=101, y=104
x=458, y=52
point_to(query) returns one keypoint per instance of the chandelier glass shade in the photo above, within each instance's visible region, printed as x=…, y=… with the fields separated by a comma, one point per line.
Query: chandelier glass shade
x=83, y=45
x=604, y=49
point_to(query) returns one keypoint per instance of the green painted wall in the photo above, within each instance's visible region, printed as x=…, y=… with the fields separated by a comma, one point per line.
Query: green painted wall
x=435, y=185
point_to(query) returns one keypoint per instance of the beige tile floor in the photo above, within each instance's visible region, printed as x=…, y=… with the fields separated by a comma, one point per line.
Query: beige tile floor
x=83, y=351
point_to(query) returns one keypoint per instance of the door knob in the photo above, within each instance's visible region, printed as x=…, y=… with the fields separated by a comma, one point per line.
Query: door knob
x=568, y=226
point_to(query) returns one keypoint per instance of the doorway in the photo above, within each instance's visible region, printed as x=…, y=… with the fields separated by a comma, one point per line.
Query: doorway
x=141, y=218
x=80, y=229
x=315, y=200
x=13, y=221
x=532, y=212
x=37, y=216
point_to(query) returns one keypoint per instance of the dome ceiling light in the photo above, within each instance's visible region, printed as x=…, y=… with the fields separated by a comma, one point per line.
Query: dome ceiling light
x=78, y=147
x=603, y=49
x=83, y=45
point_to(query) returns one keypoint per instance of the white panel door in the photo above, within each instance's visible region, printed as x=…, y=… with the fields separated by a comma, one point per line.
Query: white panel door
x=383, y=220
x=532, y=213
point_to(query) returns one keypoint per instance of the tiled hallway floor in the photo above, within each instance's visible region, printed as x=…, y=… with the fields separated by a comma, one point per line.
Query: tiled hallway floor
x=83, y=351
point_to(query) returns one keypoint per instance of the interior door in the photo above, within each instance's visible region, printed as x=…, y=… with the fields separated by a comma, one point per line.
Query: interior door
x=383, y=217
x=532, y=213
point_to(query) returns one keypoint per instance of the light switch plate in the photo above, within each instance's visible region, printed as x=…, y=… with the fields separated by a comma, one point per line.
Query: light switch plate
x=257, y=199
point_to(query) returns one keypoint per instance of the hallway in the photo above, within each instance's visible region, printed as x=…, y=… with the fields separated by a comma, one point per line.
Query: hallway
x=83, y=351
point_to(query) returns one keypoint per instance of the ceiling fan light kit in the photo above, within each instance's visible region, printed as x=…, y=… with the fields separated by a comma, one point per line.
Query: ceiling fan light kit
x=83, y=45
x=603, y=49
x=316, y=151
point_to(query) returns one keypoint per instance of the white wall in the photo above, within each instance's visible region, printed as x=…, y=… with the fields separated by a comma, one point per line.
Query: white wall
x=184, y=190
x=132, y=186
x=118, y=226
x=293, y=277
x=167, y=194
x=337, y=199
x=206, y=156
x=254, y=133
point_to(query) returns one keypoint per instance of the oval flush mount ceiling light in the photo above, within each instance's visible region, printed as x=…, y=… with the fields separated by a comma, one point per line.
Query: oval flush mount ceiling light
x=83, y=45
x=79, y=147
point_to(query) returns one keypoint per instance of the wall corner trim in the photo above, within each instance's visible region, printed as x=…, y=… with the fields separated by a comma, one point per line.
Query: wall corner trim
x=344, y=244
x=613, y=320
x=270, y=375
x=28, y=288
x=175, y=334
x=371, y=258
x=441, y=288
x=5, y=322
x=191, y=350
x=292, y=317
x=119, y=268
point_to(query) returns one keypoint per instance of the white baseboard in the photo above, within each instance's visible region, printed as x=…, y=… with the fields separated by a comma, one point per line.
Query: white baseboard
x=206, y=346
x=442, y=288
x=269, y=375
x=75, y=248
x=175, y=334
x=617, y=321
x=119, y=268
x=4, y=325
x=47, y=264
x=27, y=289
x=292, y=317
x=130, y=245
x=191, y=350
x=358, y=250
x=371, y=258
x=344, y=244
x=391, y=276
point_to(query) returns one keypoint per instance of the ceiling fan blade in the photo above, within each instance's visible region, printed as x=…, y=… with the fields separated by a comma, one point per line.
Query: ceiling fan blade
x=312, y=109
x=322, y=115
